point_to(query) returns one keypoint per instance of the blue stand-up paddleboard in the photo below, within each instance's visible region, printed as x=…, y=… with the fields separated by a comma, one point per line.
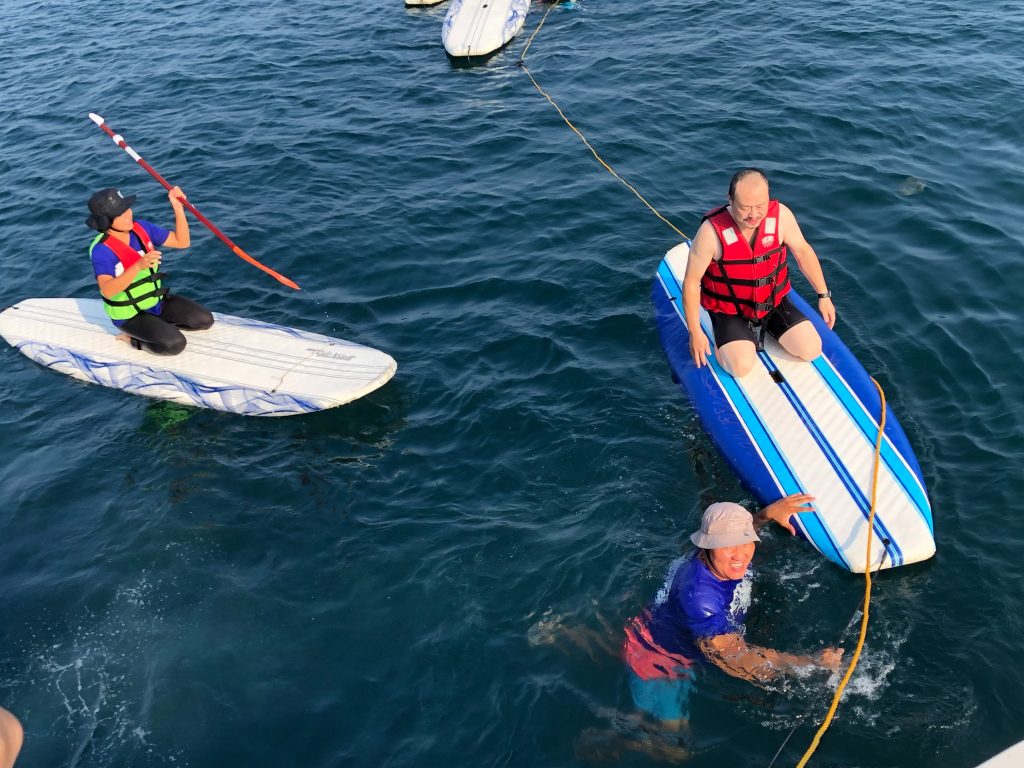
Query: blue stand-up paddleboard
x=791, y=426
x=238, y=365
x=479, y=27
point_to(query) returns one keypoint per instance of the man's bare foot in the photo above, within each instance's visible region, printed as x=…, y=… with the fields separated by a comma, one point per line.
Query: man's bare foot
x=124, y=337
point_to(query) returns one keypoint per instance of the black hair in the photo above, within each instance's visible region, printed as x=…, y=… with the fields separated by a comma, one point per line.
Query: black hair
x=741, y=174
x=99, y=222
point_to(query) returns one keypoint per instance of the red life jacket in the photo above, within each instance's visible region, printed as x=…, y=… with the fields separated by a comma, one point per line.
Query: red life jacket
x=124, y=252
x=744, y=282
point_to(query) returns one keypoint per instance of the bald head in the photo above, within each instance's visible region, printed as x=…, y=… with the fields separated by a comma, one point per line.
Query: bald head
x=745, y=174
x=748, y=197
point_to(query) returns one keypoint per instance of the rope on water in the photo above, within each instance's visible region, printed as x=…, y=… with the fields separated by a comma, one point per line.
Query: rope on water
x=867, y=591
x=522, y=65
x=849, y=624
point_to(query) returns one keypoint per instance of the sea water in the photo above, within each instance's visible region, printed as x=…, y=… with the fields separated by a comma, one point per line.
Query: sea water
x=360, y=587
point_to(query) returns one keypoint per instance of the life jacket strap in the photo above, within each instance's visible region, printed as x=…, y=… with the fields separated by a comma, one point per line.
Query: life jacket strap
x=135, y=300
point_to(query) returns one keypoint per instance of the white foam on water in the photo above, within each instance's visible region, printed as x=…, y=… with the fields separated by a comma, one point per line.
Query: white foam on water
x=81, y=695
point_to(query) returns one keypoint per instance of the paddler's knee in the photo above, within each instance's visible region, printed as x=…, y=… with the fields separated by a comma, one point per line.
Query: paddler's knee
x=204, y=320
x=174, y=346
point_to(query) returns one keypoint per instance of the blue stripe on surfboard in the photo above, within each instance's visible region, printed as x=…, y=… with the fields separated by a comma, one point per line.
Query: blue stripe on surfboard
x=897, y=467
x=840, y=469
x=819, y=534
x=855, y=379
x=815, y=529
x=785, y=477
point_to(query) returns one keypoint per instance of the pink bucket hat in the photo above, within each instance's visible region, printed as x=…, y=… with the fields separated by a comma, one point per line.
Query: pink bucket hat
x=724, y=525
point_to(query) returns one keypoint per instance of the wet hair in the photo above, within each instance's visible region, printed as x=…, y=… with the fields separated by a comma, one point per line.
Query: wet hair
x=740, y=175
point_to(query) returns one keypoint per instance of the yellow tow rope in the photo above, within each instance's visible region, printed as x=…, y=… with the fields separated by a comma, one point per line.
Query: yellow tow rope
x=867, y=592
x=522, y=64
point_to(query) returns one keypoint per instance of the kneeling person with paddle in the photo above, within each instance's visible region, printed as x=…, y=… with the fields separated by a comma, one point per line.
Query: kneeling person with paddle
x=738, y=272
x=126, y=262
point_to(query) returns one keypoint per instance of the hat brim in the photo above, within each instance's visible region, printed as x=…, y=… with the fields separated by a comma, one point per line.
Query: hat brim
x=721, y=540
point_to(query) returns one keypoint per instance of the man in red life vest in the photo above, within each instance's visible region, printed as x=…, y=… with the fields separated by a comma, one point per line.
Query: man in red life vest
x=739, y=273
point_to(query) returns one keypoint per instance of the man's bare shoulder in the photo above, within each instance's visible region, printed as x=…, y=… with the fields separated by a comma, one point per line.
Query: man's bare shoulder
x=788, y=227
x=785, y=212
x=705, y=242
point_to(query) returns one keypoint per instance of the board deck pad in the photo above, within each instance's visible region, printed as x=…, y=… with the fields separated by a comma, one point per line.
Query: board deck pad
x=239, y=365
x=480, y=27
x=814, y=433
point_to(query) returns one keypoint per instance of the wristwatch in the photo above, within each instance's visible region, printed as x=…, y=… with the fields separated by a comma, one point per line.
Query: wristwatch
x=825, y=295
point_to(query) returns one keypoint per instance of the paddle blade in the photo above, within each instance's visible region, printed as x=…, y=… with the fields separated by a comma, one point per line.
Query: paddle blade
x=277, y=276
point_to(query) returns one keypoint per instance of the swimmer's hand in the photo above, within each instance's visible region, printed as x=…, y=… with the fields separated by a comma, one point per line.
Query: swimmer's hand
x=830, y=658
x=700, y=348
x=780, y=511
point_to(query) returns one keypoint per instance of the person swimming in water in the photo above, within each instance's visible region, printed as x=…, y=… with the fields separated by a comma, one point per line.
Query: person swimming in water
x=698, y=619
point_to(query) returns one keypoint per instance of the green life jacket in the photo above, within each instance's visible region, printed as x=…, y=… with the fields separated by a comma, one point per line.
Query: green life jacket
x=146, y=292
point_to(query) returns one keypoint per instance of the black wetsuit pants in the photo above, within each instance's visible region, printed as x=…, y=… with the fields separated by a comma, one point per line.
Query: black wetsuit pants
x=159, y=334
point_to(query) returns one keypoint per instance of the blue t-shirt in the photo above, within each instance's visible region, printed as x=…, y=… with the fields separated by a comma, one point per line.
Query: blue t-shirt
x=105, y=261
x=697, y=605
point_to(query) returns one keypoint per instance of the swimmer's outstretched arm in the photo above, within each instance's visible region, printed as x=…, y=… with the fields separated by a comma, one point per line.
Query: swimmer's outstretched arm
x=734, y=656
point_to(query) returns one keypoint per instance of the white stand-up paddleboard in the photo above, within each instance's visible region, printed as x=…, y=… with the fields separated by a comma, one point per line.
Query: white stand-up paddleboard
x=423, y=2
x=239, y=365
x=1009, y=758
x=791, y=426
x=479, y=27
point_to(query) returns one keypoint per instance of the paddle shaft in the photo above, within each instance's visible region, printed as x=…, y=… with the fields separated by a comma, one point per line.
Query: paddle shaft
x=119, y=140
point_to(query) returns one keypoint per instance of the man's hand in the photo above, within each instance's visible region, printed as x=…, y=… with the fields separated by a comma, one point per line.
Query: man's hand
x=700, y=348
x=828, y=311
x=780, y=511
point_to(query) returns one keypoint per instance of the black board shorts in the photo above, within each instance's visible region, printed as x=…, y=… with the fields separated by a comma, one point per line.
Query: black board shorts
x=734, y=328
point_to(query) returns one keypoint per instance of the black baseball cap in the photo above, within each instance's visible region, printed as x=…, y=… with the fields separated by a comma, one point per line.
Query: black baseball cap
x=105, y=206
